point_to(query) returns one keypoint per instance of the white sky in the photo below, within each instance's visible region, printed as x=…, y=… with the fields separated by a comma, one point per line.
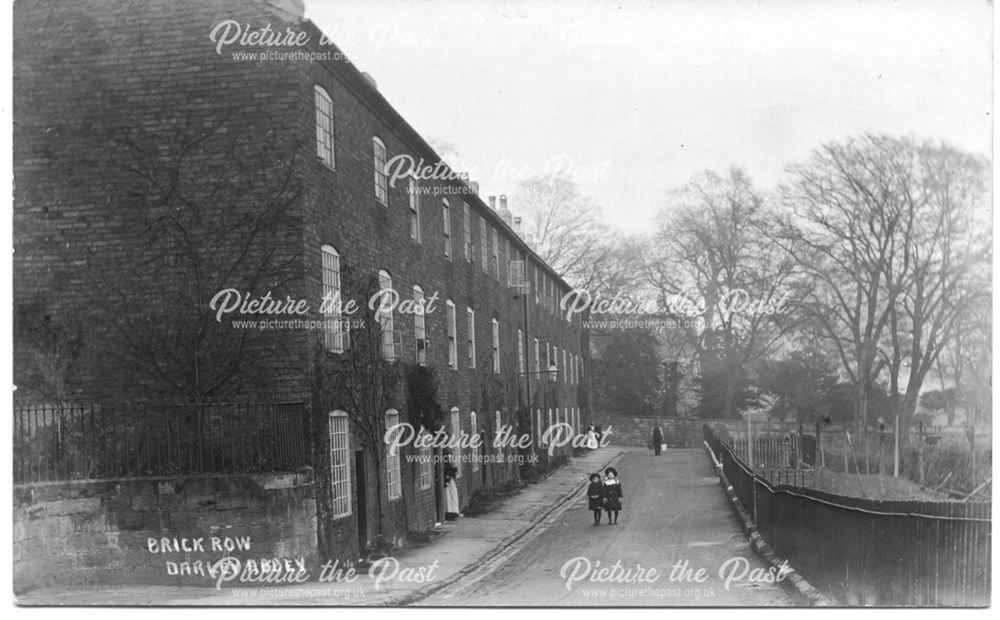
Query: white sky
x=640, y=95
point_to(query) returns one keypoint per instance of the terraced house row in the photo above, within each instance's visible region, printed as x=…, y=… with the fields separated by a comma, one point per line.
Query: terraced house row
x=157, y=165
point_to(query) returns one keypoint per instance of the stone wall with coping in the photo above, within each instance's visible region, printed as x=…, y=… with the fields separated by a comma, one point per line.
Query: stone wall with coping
x=638, y=430
x=165, y=531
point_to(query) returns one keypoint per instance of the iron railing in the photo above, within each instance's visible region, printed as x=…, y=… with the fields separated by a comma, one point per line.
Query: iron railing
x=121, y=440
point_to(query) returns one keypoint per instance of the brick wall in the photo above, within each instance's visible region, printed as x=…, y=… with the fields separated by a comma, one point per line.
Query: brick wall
x=99, y=532
x=111, y=100
x=106, y=95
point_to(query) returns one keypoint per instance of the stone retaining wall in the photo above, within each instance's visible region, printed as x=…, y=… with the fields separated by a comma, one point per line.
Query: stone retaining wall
x=638, y=430
x=160, y=530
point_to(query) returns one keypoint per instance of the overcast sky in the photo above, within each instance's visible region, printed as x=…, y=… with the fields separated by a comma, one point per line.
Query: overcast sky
x=635, y=97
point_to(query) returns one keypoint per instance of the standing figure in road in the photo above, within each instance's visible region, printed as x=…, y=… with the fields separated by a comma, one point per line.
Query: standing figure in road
x=595, y=497
x=598, y=433
x=591, y=439
x=450, y=493
x=612, y=494
x=657, y=440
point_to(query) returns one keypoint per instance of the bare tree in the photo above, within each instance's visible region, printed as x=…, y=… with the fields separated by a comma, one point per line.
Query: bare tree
x=713, y=270
x=846, y=211
x=567, y=227
x=965, y=361
x=206, y=208
x=945, y=266
x=882, y=229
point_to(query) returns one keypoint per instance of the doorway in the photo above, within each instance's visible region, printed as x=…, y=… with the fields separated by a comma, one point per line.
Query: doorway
x=360, y=483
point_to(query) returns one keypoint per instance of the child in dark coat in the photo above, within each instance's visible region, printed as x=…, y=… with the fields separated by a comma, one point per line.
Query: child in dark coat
x=595, y=496
x=612, y=494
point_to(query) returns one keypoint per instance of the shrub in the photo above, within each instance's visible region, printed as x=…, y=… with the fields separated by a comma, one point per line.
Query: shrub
x=954, y=458
x=536, y=472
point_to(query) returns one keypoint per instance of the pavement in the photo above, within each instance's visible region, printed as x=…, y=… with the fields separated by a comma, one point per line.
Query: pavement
x=465, y=546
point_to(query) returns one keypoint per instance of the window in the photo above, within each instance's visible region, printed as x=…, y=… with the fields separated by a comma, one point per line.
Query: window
x=446, y=213
x=473, y=431
x=414, y=192
x=538, y=285
x=419, y=326
x=496, y=254
x=496, y=347
x=538, y=426
x=381, y=184
x=340, y=469
x=565, y=368
x=456, y=429
x=515, y=270
x=324, y=127
x=385, y=319
x=537, y=363
x=452, y=343
x=470, y=316
x=506, y=258
x=393, y=477
x=334, y=330
x=467, y=231
x=484, y=244
x=520, y=351
x=426, y=462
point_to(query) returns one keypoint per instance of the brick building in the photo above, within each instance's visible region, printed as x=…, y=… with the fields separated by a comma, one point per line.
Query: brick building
x=154, y=168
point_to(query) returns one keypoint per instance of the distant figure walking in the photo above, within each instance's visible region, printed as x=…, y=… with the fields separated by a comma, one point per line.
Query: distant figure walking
x=612, y=494
x=450, y=493
x=595, y=497
x=599, y=433
x=591, y=438
x=657, y=441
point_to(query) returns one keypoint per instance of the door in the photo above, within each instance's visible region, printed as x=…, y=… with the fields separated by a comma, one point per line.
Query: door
x=361, y=484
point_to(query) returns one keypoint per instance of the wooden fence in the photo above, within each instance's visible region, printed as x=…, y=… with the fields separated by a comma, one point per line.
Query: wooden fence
x=870, y=552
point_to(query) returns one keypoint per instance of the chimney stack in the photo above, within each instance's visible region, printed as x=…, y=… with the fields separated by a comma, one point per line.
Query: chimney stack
x=505, y=213
x=493, y=203
x=518, y=228
x=291, y=10
x=368, y=78
x=530, y=240
x=474, y=186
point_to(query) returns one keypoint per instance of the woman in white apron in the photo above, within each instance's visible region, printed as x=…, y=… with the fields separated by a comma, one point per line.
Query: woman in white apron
x=450, y=494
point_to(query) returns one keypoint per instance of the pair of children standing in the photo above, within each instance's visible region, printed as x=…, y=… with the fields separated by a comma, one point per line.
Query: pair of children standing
x=605, y=495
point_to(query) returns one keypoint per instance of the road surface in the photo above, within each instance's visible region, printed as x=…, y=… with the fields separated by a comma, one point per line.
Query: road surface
x=675, y=522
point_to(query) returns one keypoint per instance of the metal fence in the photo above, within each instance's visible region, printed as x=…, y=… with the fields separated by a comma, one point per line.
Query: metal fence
x=90, y=441
x=870, y=552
